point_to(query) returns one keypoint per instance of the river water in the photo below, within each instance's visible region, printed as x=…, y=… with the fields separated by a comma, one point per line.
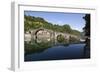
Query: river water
x=59, y=52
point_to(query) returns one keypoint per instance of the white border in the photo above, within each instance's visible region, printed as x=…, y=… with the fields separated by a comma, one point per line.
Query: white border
x=18, y=37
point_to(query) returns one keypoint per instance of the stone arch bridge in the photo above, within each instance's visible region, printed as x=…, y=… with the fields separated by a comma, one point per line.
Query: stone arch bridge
x=45, y=34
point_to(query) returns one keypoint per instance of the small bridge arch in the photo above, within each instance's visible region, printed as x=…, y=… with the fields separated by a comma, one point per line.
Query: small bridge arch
x=66, y=36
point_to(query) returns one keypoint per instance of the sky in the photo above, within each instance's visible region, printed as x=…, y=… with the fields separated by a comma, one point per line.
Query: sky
x=75, y=20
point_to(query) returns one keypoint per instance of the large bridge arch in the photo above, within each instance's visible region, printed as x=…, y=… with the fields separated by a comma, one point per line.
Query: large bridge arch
x=44, y=33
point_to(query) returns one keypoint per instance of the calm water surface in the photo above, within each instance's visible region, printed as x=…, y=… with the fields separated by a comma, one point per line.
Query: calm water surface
x=72, y=51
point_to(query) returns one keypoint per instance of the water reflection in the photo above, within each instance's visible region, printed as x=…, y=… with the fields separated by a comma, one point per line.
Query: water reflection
x=39, y=45
x=44, y=49
x=86, y=52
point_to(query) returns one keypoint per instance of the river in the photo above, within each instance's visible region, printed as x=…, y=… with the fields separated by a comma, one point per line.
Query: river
x=61, y=52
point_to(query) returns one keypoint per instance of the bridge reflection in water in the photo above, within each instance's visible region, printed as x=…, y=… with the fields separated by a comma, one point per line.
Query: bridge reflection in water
x=39, y=45
x=53, y=46
x=42, y=49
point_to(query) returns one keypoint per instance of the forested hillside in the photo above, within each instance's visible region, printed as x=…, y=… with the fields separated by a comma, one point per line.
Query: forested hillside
x=31, y=22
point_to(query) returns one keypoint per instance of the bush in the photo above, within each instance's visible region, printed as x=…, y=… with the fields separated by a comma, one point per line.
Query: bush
x=60, y=38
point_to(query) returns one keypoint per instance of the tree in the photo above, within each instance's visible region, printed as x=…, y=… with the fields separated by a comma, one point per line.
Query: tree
x=87, y=25
x=87, y=30
x=67, y=28
x=76, y=32
x=60, y=38
x=31, y=22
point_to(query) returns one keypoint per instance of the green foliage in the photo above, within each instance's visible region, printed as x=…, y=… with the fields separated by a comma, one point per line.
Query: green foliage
x=60, y=38
x=31, y=22
x=75, y=32
x=87, y=25
x=73, y=40
x=36, y=47
x=67, y=28
x=87, y=30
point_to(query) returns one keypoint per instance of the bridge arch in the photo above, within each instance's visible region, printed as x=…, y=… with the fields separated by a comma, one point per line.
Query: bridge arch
x=42, y=34
x=37, y=32
x=46, y=33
